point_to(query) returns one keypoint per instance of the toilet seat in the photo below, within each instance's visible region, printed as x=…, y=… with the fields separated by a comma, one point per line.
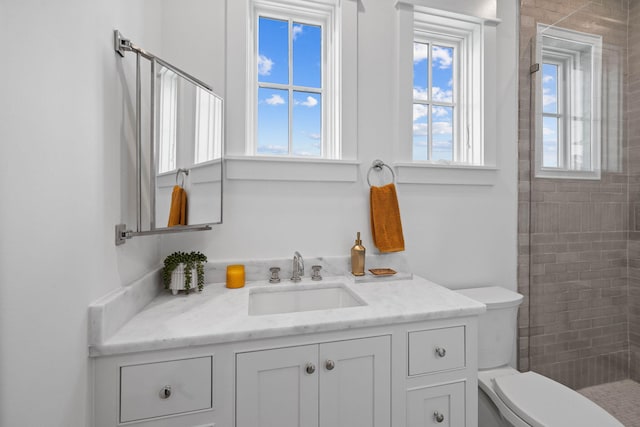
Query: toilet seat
x=541, y=402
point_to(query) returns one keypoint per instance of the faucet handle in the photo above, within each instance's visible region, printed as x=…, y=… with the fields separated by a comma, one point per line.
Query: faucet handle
x=315, y=275
x=275, y=278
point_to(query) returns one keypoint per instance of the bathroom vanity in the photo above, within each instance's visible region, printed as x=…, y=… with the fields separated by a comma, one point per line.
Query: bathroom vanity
x=329, y=353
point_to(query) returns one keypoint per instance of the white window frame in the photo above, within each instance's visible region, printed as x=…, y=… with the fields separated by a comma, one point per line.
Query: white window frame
x=569, y=104
x=465, y=35
x=323, y=14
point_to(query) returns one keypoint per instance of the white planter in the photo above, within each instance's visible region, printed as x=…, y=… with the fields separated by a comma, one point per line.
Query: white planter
x=178, y=279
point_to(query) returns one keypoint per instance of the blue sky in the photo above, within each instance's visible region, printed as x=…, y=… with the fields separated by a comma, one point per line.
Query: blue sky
x=549, y=124
x=439, y=90
x=273, y=104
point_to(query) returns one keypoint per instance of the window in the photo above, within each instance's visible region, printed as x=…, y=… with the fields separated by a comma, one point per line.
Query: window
x=567, y=107
x=447, y=88
x=434, y=100
x=293, y=101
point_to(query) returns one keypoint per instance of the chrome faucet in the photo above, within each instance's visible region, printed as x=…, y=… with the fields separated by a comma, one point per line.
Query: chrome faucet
x=298, y=267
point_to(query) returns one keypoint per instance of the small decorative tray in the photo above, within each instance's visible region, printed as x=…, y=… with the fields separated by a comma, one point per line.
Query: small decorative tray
x=388, y=275
x=382, y=271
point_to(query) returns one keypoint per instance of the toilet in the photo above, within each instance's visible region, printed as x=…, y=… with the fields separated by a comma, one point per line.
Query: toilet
x=507, y=397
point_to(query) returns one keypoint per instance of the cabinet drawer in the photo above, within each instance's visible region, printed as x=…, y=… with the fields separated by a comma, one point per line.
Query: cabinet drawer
x=441, y=406
x=165, y=388
x=436, y=350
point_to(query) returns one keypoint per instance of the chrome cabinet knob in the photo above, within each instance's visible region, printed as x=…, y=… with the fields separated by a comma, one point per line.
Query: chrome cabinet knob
x=441, y=352
x=330, y=364
x=310, y=368
x=438, y=417
x=165, y=392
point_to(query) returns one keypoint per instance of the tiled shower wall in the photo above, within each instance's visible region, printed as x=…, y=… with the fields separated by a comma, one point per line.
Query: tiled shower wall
x=573, y=324
x=633, y=132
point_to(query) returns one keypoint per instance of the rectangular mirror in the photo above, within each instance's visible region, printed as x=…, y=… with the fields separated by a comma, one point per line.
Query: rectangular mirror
x=179, y=144
x=188, y=139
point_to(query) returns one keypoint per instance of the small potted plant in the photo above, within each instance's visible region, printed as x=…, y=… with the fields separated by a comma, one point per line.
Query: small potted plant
x=179, y=269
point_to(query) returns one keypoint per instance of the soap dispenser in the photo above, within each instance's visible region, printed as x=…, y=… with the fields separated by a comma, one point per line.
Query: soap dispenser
x=357, y=257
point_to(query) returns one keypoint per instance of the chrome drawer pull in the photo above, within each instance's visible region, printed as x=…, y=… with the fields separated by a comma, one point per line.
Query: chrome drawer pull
x=441, y=352
x=165, y=393
x=310, y=368
x=438, y=417
x=330, y=364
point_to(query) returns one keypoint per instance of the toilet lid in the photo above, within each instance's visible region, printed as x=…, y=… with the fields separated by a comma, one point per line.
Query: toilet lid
x=543, y=402
x=494, y=297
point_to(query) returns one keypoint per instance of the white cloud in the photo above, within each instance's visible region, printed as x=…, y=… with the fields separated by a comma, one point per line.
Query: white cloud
x=273, y=149
x=441, y=94
x=442, y=144
x=547, y=98
x=297, y=29
x=548, y=132
x=420, y=111
x=264, y=65
x=304, y=153
x=442, y=128
x=275, y=100
x=440, y=112
x=442, y=57
x=420, y=93
x=420, y=129
x=315, y=136
x=310, y=102
x=547, y=79
x=420, y=52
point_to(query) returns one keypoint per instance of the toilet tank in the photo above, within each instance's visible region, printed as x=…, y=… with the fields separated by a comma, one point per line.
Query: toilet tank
x=497, y=326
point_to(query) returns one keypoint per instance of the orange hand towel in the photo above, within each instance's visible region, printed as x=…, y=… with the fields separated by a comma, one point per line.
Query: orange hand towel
x=178, y=210
x=386, y=226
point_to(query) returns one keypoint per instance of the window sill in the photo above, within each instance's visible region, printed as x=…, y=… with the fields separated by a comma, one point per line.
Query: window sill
x=443, y=174
x=567, y=174
x=289, y=169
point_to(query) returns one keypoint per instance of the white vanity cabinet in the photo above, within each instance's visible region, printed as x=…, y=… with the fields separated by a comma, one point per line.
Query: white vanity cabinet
x=413, y=374
x=333, y=384
x=408, y=358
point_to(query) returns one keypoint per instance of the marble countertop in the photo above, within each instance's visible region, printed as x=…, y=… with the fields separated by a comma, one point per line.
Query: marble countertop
x=218, y=315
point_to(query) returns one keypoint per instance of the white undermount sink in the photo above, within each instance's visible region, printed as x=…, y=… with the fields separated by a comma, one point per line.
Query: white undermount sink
x=295, y=298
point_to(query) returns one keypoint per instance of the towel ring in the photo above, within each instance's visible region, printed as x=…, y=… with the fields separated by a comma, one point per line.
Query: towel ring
x=378, y=165
x=183, y=171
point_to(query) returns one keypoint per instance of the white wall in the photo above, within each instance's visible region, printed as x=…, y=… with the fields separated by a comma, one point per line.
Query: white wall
x=65, y=134
x=455, y=235
x=66, y=142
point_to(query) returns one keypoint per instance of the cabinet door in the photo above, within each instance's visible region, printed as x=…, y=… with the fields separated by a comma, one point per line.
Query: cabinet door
x=355, y=383
x=438, y=406
x=277, y=388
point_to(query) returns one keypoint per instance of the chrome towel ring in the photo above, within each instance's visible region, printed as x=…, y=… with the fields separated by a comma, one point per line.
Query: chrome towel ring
x=377, y=165
x=183, y=172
